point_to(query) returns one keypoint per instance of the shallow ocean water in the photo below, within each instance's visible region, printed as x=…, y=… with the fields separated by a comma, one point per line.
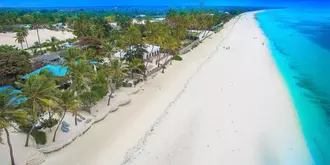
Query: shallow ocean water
x=299, y=40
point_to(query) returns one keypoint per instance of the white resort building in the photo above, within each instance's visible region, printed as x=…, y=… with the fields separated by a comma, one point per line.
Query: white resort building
x=151, y=52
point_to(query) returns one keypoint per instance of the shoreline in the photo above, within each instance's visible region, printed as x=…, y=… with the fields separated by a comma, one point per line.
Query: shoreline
x=125, y=128
x=287, y=84
x=309, y=111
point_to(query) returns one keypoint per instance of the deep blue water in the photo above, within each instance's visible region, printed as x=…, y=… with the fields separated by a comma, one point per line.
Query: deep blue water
x=300, y=43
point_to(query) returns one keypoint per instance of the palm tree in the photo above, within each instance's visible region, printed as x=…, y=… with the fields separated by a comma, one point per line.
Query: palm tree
x=117, y=71
x=153, y=35
x=81, y=73
x=164, y=33
x=135, y=66
x=39, y=92
x=109, y=49
x=133, y=36
x=50, y=76
x=67, y=102
x=121, y=44
x=9, y=115
x=53, y=43
x=22, y=34
x=36, y=23
x=25, y=33
x=172, y=46
x=19, y=38
x=71, y=55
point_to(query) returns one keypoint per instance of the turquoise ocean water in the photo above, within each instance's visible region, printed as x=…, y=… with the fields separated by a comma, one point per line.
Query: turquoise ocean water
x=300, y=43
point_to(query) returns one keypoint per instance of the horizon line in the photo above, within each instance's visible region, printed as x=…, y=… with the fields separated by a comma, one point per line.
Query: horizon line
x=114, y=6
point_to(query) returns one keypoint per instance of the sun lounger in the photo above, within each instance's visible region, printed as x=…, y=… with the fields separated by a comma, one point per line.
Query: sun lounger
x=65, y=124
x=79, y=120
x=88, y=121
x=65, y=129
x=38, y=127
x=81, y=117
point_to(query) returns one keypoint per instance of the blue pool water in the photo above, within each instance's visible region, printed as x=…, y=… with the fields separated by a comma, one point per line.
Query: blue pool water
x=56, y=70
x=300, y=43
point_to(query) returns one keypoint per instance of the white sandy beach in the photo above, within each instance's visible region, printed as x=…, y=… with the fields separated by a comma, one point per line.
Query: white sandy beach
x=217, y=106
x=45, y=34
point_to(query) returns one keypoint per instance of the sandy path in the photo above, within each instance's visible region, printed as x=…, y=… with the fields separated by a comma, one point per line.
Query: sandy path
x=217, y=106
x=45, y=34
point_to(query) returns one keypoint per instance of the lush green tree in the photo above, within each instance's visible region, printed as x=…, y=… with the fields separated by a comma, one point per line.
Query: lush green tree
x=154, y=35
x=81, y=74
x=100, y=85
x=110, y=18
x=133, y=36
x=135, y=51
x=117, y=72
x=100, y=28
x=121, y=44
x=179, y=31
x=8, y=48
x=67, y=102
x=109, y=50
x=21, y=34
x=71, y=55
x=123, y=21
x=135, y=66
x=19, y=38
x=51, y=77
x=37, y=22
x=9, y=114
x=12, y=64
x=53, y=41
x=170, y=47
x=40, y=94
x=81, y=27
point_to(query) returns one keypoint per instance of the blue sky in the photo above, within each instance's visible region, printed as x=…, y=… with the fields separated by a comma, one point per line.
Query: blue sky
x=70, y=3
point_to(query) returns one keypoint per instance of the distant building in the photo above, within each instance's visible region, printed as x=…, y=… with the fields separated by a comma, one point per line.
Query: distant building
x=66, y=45
x=53, y=58
x=157, y=19
x=114, y=25
x=27, y=26
x=143, y=21
x=151, y=51
x=140, y=16
x=58, y=26
x=138, y=21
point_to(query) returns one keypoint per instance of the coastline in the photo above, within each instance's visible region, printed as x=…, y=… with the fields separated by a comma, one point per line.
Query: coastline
x=303, y=70
x=125, y=128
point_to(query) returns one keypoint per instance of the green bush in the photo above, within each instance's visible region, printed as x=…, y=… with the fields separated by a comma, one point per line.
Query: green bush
x=88, y=98
x=177, y=58
x=39, y=136
x=49, y=123
x=100, y=91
